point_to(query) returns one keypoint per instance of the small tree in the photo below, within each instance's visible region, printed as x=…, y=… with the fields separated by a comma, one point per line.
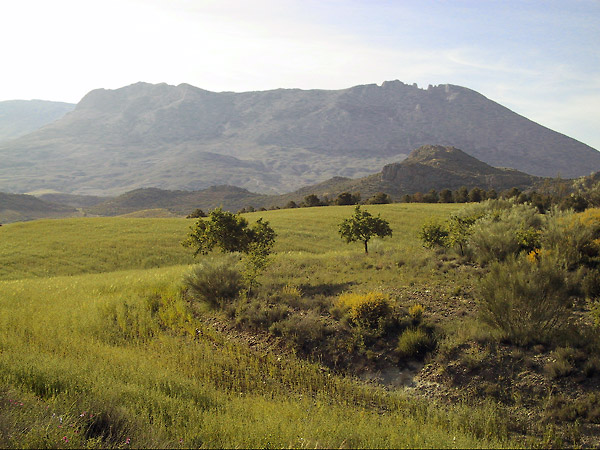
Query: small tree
x=196, y=214
x=362, y=226
x=379, y=198
x=231, y=233
x=346, y=198
x=311, y=200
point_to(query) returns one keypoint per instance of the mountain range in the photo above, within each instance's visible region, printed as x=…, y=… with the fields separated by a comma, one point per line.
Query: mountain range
x=20, y=117
x=428, y=167
x=186, y=138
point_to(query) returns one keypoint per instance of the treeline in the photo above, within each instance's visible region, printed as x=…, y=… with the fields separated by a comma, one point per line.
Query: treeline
x=577, y=195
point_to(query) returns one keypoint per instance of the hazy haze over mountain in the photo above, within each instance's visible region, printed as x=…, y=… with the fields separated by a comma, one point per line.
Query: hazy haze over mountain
x=183, y=137
x=19, y=117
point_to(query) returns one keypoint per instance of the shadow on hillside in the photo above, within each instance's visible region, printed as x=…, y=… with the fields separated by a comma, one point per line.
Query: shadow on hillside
x=325, y=289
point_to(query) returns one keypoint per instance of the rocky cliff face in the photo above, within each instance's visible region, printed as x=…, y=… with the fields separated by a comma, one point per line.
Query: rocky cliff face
x=182, y=137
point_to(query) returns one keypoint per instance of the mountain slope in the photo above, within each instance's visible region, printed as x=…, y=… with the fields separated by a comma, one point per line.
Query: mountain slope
x=20, y=117
x=426, y=168
x=273, y=141
x=20, y=207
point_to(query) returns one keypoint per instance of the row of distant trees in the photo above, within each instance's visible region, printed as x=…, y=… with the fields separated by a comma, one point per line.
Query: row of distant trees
x=559, y=193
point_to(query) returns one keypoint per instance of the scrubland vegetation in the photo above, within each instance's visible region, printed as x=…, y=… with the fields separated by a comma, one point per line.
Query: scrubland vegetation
x=113, y=336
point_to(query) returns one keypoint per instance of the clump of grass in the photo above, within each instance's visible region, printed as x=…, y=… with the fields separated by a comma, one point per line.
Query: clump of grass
x=414, y=342
x=561, y=363
x=416, y=312
x=305, y=331
x=215, y=282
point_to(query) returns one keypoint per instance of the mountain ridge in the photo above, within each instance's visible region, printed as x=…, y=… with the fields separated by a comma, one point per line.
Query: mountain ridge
x=423, y=170
x=183, y=137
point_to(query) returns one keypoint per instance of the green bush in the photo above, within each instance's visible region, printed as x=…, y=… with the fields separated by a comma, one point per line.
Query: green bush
x=215, y=282
x=305, y=331
x=366, y=310
x=256, y=313
x=572, y=239
x=528, y=302
x=414, y=342
x=434, y=235
x=505, y=232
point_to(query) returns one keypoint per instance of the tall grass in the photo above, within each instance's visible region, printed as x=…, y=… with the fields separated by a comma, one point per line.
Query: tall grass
x=65, y=350
x=123, y=346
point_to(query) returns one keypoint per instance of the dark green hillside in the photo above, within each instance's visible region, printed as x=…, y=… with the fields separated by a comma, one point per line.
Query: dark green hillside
x=20, y=207
x=428, y=167
x=178, y=202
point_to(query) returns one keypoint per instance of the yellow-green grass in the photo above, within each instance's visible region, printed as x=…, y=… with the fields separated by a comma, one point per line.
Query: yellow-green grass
x=90, y=245
x=123, y=346
x=94, y=245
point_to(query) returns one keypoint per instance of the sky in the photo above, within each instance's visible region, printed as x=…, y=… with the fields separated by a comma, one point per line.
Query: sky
x=540, y=58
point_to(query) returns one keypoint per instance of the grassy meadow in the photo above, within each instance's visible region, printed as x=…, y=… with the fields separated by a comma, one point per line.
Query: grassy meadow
x=100, y=349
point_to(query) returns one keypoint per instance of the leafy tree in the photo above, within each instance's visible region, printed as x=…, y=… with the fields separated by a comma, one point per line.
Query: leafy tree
x=362, y=226
x=223, y=229
x=491, y=194
x=346, y=198
x=291, y=204
x=379, y=199
x=461, y=195
x=475, y=195
x=311, y=200
x=196, y=214
x=445, y=196
x=231, y=233
x=512, y=192
x=431, y=197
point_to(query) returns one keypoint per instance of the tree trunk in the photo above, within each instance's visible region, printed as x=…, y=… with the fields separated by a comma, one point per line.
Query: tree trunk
x=366, y=249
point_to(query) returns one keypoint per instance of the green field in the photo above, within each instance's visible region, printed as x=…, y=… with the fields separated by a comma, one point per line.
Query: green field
x=93, y=323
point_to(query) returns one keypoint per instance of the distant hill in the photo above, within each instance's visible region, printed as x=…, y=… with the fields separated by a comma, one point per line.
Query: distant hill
x=20, y=207
x=185, y=138
x=20, y=117
x=179, y=203
x=76, y=201
x=428, y=167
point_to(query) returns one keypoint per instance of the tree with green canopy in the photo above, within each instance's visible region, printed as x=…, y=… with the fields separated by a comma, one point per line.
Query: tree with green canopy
x=362, y=226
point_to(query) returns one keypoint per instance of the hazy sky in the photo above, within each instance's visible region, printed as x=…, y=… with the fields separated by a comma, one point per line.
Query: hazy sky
x=539, y=58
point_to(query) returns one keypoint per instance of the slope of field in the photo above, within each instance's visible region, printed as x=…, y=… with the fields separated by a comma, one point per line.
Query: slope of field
x=93, y=245
x=114, y=358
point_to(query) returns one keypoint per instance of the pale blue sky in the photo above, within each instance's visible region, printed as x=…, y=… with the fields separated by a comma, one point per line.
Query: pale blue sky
x=539, y=58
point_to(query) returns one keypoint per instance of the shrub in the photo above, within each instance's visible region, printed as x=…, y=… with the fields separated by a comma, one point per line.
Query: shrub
x=305, y=331
x=573, y=237
x=258, y=314
x=414, y=342
x=526, y=302
x=215, y=282
x=366, y=310
x=416, y=313
x=505, y=232
x=433, y=235
x=561, y=363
